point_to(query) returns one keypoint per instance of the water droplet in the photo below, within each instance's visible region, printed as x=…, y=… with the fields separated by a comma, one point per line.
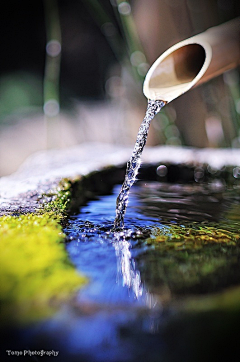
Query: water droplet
x=162, y=170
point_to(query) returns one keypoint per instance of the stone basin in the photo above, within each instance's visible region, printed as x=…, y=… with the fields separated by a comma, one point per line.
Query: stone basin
x=91, y=169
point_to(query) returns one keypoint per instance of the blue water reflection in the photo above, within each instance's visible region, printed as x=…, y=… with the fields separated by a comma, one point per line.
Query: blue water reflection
x=107, y=257
x=116, y=318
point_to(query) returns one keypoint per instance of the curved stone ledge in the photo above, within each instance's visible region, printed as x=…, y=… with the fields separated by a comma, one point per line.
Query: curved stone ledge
x=42, y=172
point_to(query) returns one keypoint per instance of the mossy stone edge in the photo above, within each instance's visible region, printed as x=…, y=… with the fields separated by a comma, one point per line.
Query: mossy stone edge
x=36, y=274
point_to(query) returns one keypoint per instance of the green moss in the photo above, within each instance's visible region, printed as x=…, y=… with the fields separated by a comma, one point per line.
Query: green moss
x=181, y=237
x=36, y=274
x=58, y=201
x=191, y=259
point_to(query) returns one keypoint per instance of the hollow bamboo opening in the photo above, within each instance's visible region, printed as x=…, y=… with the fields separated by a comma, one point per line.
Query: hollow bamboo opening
x=176, y=72
x=194, y=61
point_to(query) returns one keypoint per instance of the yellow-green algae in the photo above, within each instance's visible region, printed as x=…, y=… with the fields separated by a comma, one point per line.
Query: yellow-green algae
x=195, y=236
x=192, y=259
x=36, y=274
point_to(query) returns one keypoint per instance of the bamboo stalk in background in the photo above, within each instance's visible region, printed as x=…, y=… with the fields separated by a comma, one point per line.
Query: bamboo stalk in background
x=51, y=101
x=135, y=51
x=107, y=26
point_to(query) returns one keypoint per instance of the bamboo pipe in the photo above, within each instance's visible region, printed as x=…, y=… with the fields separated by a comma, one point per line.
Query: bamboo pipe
x=194, y=61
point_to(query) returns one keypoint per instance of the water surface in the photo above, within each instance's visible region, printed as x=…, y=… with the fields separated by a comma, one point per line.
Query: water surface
x=129, y=293
x=135, y=288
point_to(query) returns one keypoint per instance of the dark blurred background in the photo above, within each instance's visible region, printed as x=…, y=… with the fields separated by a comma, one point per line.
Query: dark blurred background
x=107, y=47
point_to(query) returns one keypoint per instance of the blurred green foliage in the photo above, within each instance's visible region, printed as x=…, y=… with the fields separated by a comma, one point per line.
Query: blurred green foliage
x=21, y=94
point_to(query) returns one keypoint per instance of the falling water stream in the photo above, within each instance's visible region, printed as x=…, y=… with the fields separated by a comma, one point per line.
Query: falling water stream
x=134, y=163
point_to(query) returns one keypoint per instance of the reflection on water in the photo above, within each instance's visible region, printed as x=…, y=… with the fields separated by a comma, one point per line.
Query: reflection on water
x=126, y=265
x=121, y=314
x=128, y=279
x=174, y=202
x=106, y=256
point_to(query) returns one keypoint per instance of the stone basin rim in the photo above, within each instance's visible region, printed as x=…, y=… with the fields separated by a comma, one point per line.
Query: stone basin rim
x=41, y=172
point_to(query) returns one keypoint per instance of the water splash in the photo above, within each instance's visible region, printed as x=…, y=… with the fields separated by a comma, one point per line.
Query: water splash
x=126, y=265
x=133, y=164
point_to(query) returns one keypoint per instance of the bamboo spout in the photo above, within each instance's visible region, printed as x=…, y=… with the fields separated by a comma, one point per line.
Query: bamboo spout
x=194, y=61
